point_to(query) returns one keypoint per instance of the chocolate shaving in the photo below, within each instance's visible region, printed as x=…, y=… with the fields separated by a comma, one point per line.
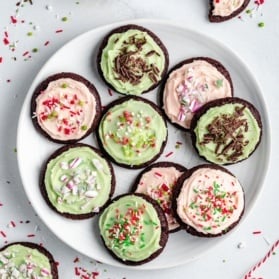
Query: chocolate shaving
x=130, y=66
x=227, y=133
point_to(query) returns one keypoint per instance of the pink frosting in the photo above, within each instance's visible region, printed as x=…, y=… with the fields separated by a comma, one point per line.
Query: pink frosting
x=158, y=184
x=65, y=109
x=210, y=200
x=226, y=7
x=191, y=86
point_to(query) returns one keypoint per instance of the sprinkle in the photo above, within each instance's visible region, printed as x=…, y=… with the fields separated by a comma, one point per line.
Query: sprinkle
x=75, y=163
x=97, y=164
x=13, y=19
x=241, y=245
x=35, y=50
x=46, y=43
x=31, y=235
x=25, y=53
x=110, y=92
x=6, y=41
x=261, y=24
x=64, y=18
x=59, y=31
x=157, y=174
x=30, y=34
x=76, y=260
x=1, y=59
x=3, y=234
x=49, y=7
x=169, y=154
x=257, y=232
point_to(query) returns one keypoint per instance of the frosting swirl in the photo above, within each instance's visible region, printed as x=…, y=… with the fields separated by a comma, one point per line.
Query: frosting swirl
x=226, y=7
x=210, y=200
x=191, y=86
x=66, y=109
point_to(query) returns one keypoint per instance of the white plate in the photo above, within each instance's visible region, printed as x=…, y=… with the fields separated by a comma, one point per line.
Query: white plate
x=79, y=56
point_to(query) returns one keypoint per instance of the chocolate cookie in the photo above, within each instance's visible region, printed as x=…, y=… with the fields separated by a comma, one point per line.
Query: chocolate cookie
x=222, y=10
x=157, y=181
x=208, y=201
x=132, y=60
x=132, y=132
x=77, y=181
x=226, y=131
x=190, y=84
x=27, y=260
x=133, y=228
x=65, y=108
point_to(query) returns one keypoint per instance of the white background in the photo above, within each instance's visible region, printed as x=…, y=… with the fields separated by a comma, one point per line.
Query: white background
x=257, y=47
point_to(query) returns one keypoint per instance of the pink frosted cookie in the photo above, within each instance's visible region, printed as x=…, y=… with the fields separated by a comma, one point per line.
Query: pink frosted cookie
x=65, y=108
x=192, y=83
x=208, y=201
x=157, y=181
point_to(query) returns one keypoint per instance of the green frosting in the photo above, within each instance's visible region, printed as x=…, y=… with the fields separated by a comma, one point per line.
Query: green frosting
x=78, y=181
x=132, y=132
x=132, y=62
x=130, y=228
x=19, y=261
x=227, y=134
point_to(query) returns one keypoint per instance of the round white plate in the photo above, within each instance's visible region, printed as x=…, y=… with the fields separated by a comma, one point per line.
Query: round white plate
x=79, y=56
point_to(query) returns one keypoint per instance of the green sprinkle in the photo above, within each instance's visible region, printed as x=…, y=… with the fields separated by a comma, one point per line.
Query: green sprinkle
x=84, y=127
x=192, y=205
x=273, y=253
x=64, y=18
x=248, y=12
x=207, y=228
x=195, y=191
x=30, y=34
x=261, y=24
x=142, y=246
x=219, y=83
x=64, y=85
x=35, y=50
x=15, y=150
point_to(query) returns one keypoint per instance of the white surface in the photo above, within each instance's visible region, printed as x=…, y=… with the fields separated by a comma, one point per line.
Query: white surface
x=257, y=47
x=181, y=248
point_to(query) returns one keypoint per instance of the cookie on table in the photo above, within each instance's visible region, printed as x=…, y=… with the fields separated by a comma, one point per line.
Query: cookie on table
x=27, y=260
x=208, y=201
x=222, y=10
x=65, y=108
x=132, y=60
x=157, y=181
x=133, y=228
x=226, y=131
x=77, y=181
x=192, y=83
x=132, y=132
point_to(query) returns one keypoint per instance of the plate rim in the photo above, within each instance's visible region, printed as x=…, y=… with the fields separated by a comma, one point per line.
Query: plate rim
x=195, y=32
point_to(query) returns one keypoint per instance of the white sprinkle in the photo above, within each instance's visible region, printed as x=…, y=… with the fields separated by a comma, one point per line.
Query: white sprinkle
x=75, y=163
x=63, y=178
x=49, y=7
x=91, y=194
x=96, y=209
x=64, y=166
x=97, y=164
x=241, y=245
x=36, y=27
x=266, y=240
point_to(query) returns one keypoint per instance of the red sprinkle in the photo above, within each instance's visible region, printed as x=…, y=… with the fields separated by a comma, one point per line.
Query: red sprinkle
x=13, y=19
x=1, y=59
x=76, y=260
x=13, y=224
x=6, y=34
x=31, y=235
x=25, y=53
x=77, y=271
x=95, y=274
x=3, y=234
x=6, y=41
x=59, y=31
x=110, y=92
x=169, y=154
x=46, y=43
x=257, y=232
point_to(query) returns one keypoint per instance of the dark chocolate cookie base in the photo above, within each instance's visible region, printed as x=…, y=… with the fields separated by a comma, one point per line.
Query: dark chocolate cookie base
x=211, y=61
x=158, y=165
x=117, y=102
x=164, y=232
x=176, y=193
x=220, y=102
x=217, y=19
x=41, y=249
x=44, y=191
x=43, y=85
x=123, y=29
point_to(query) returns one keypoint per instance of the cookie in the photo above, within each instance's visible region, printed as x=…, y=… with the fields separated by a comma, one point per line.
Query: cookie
x=65, y=108
x=222, y=10
x=190, y=84
x=132, y=60
x=157, y=181
x=208, y=201
x=226, y=131
x=133, y=228
x=27, y=260
x=132, y=132
x=77, y=181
